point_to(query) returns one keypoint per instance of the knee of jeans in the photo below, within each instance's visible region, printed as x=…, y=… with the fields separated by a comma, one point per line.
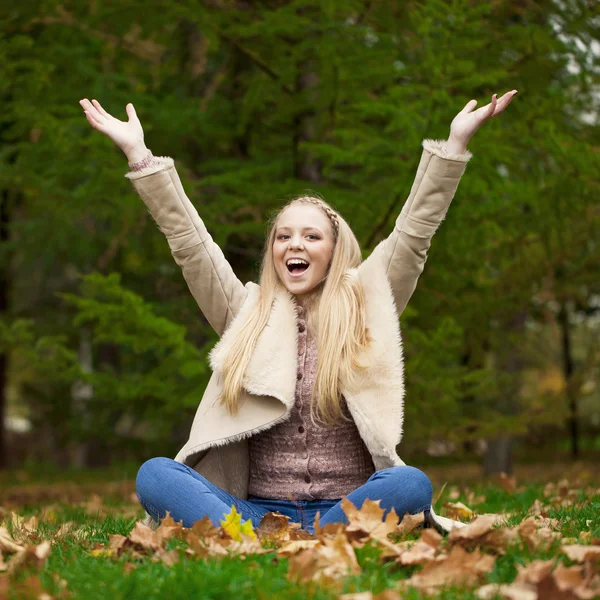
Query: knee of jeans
x=418, y=482
x=423, y=484
x=148, y=474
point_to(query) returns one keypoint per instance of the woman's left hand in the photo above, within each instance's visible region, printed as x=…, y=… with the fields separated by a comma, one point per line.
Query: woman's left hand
x=468, y=121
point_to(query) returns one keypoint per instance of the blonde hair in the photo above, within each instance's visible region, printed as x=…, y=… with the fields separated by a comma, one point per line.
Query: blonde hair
x=335, y=311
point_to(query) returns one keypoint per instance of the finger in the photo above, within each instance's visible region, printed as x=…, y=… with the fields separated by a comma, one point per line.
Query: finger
x=89, y=107
x=131, y=112
x=95, y=124
x=469, y=106
x=99, y=108
x=505, y=101
x=492, y=105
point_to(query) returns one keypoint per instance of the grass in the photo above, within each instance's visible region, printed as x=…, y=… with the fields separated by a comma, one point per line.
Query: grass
x=258, y=576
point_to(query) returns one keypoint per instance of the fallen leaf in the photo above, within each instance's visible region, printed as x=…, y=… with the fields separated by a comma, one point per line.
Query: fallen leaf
x=326, y=563
x=409, y=523
x=145, y=537
x=536, y=537
x=368, y=521
x=457, y=568
x=509, y=591
x=29, y=557
x=507, y=483
x=457, y=510
x=482, y=532
x=579, y=552
x=234, y=527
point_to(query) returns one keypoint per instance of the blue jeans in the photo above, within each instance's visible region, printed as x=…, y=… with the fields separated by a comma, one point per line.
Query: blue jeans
x=163, y=484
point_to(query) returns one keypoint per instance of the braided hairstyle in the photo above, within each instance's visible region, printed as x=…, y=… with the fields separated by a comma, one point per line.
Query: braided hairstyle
x=330, y=213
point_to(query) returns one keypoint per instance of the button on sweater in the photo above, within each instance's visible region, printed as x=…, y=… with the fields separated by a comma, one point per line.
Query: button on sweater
x=294, y=460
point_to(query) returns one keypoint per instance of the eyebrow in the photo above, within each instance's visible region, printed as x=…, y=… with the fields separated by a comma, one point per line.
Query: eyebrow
x=303, y=229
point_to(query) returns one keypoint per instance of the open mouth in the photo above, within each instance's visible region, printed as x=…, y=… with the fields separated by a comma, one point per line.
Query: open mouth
x=297, y=270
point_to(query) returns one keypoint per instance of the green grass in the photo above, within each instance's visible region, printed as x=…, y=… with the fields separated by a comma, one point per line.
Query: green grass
x=262, y=576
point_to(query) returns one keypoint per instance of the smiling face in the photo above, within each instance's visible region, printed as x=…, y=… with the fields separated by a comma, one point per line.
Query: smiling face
x=303, y=231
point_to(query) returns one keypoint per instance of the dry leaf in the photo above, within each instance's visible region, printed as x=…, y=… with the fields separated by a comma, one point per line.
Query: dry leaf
x=457, y=510
x=7, y=544
x=535, y=537
x=507, y=483
x=29, y=557
x=368, y=521
x=410, y=522
x=579, y=553
x=145, y=537
x=482, y=532
x=326, y=563
x=457, y=568
x=418, y=554
x=294, y=546
x=509, y=591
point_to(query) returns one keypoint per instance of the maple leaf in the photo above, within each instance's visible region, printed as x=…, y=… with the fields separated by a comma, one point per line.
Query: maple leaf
x=457, y=568
x=368, y=521
x=234, y=527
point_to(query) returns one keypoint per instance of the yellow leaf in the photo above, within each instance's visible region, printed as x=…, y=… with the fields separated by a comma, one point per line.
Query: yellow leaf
x=233, y=525
x=99, y=552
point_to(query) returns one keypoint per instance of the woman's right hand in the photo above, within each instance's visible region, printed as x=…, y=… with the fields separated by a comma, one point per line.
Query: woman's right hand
x=129, y=135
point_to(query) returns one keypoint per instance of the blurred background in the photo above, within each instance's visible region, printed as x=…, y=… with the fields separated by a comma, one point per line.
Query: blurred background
x=103, y=350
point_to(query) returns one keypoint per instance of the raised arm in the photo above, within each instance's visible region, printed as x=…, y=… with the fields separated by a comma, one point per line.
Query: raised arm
x=442, y=164
x=210, y=278
x=404, y=251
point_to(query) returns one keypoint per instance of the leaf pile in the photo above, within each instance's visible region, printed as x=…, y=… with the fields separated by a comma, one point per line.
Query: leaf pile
x=427, y=561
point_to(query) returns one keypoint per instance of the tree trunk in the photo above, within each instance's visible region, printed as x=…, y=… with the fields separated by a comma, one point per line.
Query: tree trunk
x=568, y=368
x=305, y=165
x=498, y=457
x=81, y=393
x=4, y=287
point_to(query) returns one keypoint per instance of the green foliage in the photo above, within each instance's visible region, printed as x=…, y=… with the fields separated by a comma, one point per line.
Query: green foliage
x=257, y=104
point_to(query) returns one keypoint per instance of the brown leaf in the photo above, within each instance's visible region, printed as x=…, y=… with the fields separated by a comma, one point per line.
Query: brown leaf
x=432, y=537
x=457, y=568
x=168, y=528
x=326, y=563
x=368, y=521
x=534, y=572
x=145, y=537
x=7, y=544
x=535, y=537
x=294, y=546
x=507, y=483
x=579, y=553
x=482, y=532
x=418, y=554
x=509, y=591
x=275, y=527
x=410, y=522
x=29, y=557
x=168, y=558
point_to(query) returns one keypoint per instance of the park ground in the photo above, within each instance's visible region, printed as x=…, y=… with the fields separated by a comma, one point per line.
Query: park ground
x=534, y=535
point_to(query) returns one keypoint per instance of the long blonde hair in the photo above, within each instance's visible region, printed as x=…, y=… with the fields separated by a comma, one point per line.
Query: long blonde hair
x=335, y=311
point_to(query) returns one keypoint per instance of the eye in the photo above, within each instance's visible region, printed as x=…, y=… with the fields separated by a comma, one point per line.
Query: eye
x=283, y=235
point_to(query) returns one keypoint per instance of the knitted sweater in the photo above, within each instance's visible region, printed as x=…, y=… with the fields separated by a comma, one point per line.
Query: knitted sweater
x=295, y=460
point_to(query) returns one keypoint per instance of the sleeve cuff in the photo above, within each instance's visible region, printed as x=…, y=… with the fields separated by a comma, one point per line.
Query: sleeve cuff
x=438, y=147
x=157, y=163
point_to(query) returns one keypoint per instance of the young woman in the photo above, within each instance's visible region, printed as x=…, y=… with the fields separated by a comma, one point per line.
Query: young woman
x=305, y=403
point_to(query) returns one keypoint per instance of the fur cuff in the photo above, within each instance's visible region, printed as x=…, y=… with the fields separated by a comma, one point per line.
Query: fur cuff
x=160, y=163
x=438, y=147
